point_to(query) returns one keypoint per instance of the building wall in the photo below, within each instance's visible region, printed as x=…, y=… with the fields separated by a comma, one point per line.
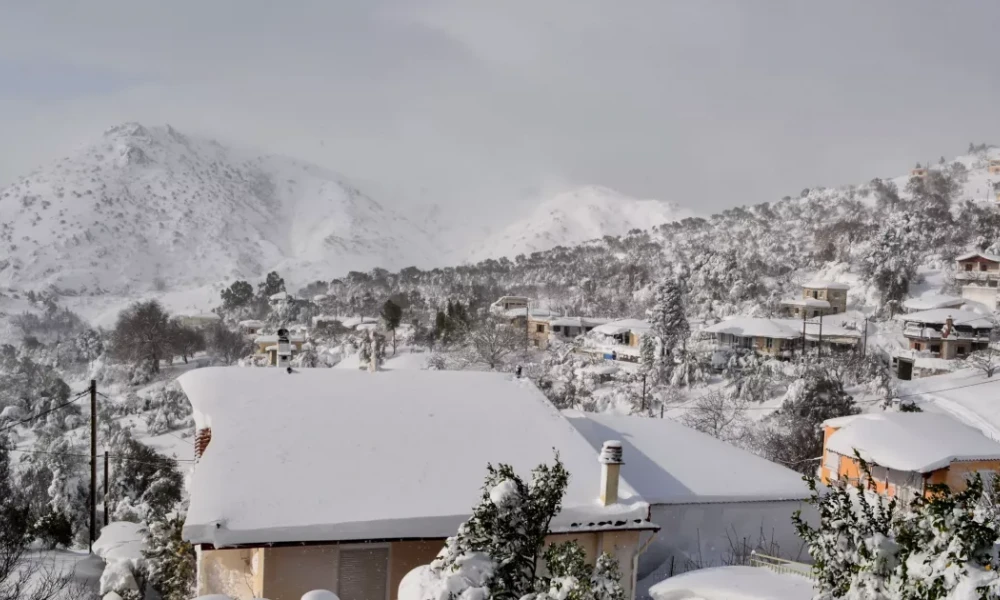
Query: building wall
x=836, y=298
x=235, y=573
x=957, y=474
x=285, y=573
x=978, y=293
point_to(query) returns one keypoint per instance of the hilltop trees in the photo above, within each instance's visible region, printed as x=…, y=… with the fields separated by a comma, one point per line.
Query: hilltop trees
x=237, y=295
x=890, y=263
x=670, y=325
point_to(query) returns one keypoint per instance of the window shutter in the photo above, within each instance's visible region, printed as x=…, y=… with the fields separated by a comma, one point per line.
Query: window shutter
x=363, y=574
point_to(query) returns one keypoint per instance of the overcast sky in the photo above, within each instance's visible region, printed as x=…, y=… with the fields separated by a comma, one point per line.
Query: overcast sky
x=478, y=105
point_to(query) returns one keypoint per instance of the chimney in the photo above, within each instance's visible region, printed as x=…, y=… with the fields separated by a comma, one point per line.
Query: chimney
x=284, y=349
x=201, y=440
x=949, y=324
x=611, y=464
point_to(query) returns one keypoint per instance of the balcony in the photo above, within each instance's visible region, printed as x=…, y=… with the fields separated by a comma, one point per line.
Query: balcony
x=977, y=276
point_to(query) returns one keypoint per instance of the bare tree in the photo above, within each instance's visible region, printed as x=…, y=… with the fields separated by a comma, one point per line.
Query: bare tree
x=142, y=334
x=493, y=341
x=718, y=416
x=228, y=345
x=185, y=341
x=986, y=361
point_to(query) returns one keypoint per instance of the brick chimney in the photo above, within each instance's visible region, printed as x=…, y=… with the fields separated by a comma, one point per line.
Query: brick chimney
x=201, y=440
x=611, y=464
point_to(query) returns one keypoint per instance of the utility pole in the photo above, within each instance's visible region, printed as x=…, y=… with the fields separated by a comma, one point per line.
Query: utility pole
x=864, y=345
x=803, y=335
x=819, y=345
x=643, y=407
x=105, y=488
x=527, y=335
x=93, y=464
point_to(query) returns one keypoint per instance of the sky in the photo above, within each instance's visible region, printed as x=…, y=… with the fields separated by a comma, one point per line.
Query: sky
x=483, y=107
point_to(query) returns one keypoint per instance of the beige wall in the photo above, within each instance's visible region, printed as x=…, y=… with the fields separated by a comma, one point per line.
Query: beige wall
x=286, y=573
x=836, y=298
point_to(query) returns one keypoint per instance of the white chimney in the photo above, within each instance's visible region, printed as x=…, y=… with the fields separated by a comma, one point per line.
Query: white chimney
x=611, y=465
x=284, y=349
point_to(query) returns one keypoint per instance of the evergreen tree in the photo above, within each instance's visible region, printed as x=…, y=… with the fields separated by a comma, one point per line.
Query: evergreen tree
x=144, y=484
x=669, y=322
x=392, y=314
x=170, y=560
x=890, y=263
x=272, y=284
x=237, y=295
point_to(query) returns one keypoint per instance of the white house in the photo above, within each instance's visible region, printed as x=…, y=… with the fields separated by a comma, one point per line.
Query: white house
x=704, y=492
x=931, y=302
x=979, y=275
x=505, y=303
x=782, y=338
x=347, y=480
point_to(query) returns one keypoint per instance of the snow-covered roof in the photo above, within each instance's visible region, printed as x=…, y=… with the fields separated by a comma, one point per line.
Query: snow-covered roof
x=251, y=323
x=819, y=284
x=623, y=325
x=272, y=338
x=669, y=463
x=939, y=316
x=734, y=583
x=932, y=301
x=971, y=255
x=921, y=442
x=280, y=296
x=536, y=313
x=782, y=328
x=807, y=302
x=755, y=327
x=202, y=317
x=967, y=395
x=341, y=454
x=577, y=322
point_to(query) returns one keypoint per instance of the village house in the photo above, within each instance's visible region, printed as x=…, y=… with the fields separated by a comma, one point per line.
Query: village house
x=978, y=274
x=703, y=492
x=619, y=340
x=994, y=167
x=934, y=337
x=251, y=327
x=782, y=338
x=818, y=298
x=268, y=344
x=544, y=329
x=346, y=480
x=506, y=303
x=907, y=452
x=918, y=171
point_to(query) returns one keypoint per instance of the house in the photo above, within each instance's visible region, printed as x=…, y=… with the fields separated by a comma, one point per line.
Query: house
x=251, y=327
x=808, y=308
x=918, y=171
x=978, y=274
x=506, y=303
x=906, y=452
x=931, y=302
x=832, y=292
x=346, y=480
x=619, y=340
x=781, y=338
x=544, y=329
x=268, y=344
x=703, y=492
x=994, y=166
x=946, y=333
x=281, y=299
x=200, y=320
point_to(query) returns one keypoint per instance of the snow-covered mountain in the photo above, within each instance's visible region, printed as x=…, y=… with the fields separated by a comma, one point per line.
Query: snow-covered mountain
x=575, y=216
x=150, y=207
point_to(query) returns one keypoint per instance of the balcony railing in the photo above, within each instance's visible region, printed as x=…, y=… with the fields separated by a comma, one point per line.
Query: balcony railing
x=980, y=276
x=780, y=565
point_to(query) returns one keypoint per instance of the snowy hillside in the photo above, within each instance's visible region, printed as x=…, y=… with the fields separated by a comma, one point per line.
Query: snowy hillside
x=575, y=216
x=150, y=208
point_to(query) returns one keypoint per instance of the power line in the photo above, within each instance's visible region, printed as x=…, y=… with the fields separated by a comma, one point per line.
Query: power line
x=114, y=456
x=42, y=414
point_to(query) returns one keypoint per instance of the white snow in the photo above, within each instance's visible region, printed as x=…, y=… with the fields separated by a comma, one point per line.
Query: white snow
x=668, y=463
x=967, y=395
x=734, y=583
x=576, y=216
x=932, y=302
x=320, y=595
x=989, y=257
x=806, y=302
x=939, y=316
x=502, y=492
x=755, y=327
x=467, y=582
x=339, y=454
x=820, y=284
x=622, y=326
x=920, y=442
x=120, y=545
x=272, y=338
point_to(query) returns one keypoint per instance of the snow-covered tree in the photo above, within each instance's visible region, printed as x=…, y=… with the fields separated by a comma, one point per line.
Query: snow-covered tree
x=670, y=324
x=987, y=361
x=890, y=263
x=497, y=553
x=170, y=561
x=372, y=348
x=144, y=484
x=493, y=341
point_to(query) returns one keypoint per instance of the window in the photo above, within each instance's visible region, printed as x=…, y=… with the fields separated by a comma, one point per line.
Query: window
x=968, y=266
x=982, y=266
x=960, y=351
x=917, y=346
x=557, y=328
x=768, y=342
x=540, y=328
x=935, y=347
x=815, y=295
x=832, y=464
x=363, y=573
x=991, y=283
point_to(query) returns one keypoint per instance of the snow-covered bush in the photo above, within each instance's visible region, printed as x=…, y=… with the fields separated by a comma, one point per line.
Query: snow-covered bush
x=496, y=552
x=145, y=485
x=170, y=561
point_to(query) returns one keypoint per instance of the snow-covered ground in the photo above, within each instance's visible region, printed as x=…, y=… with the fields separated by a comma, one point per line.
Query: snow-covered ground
x=734, y=583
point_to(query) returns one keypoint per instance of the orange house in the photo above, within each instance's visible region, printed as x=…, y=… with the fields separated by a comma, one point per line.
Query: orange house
x=906, y=452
